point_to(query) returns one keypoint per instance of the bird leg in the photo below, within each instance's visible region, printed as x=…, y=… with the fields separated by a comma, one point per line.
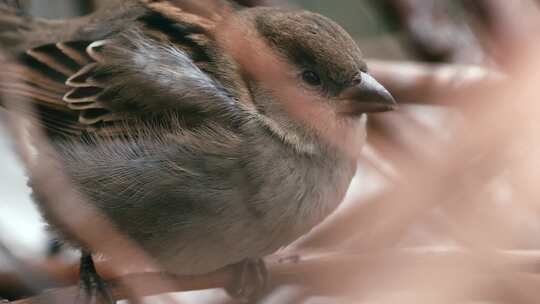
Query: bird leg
x=251, y=280
x=92, y=288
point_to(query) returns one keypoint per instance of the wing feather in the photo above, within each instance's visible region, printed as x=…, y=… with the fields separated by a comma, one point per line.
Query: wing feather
x=157, y=65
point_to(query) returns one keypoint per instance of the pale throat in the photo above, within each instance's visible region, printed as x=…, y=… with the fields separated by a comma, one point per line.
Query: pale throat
x=315, y=128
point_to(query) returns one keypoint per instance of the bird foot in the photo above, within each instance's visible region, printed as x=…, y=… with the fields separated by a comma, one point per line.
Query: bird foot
x=251, y=280
x=3, y=301
x=92, y=288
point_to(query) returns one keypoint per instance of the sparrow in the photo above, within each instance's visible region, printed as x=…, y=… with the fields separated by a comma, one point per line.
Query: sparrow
x=169, y=121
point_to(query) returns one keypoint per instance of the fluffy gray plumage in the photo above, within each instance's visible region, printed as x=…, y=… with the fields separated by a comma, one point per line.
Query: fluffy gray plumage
x=198, y=201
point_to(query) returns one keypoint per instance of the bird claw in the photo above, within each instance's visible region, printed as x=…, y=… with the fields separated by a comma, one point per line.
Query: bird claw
x=95, y=292
x=251, y=281
x=92, y=288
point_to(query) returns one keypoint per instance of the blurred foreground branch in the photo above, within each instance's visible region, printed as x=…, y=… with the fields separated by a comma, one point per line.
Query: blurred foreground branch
x=412, y=82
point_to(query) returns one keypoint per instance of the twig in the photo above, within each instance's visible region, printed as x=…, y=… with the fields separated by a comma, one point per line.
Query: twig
x=59, y=274
x=25, y=280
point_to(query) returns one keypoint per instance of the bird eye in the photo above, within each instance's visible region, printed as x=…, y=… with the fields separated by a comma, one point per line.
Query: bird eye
x=311, y=78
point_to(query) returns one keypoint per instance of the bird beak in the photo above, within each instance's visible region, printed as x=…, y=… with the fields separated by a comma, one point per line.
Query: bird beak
x=369, y=96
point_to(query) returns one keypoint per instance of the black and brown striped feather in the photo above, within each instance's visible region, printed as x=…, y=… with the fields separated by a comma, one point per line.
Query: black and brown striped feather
x=77, y=85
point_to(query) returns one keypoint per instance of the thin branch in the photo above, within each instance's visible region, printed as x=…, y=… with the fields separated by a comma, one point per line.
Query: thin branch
x=317, y=270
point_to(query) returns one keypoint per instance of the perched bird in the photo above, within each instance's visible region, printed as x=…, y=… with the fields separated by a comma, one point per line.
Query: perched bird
x=187, y=146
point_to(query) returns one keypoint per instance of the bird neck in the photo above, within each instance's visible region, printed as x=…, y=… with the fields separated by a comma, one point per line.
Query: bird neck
x=308, y=128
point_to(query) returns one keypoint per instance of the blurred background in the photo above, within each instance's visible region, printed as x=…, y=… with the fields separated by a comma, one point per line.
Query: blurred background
x=447, y=183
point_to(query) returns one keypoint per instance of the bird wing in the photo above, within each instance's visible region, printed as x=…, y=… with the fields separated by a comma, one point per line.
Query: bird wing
x=157, y=65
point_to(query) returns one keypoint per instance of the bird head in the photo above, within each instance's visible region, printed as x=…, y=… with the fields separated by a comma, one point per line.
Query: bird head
x=328, y=62
x=317, y=85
